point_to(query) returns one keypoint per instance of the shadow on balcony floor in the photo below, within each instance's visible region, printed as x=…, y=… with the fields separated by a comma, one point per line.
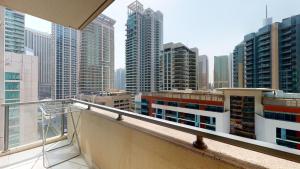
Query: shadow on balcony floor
x=33, y=159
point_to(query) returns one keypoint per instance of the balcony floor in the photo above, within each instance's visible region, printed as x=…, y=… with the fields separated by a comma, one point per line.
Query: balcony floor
x=33, y=159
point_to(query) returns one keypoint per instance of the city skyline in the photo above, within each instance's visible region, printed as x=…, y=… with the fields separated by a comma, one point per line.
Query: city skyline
x=206, y=73
x=203, y=37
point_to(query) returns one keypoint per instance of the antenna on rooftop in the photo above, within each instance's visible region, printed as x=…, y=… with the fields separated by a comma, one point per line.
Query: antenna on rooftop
x=267, y=20
x=266, y=11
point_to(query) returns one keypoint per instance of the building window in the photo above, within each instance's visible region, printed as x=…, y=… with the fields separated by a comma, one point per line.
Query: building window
x=12, y=86
x=160, y=102
x=12, y=94
x=12, y=76
x=192, y=106
x=214, y=108
x=280, y=116
x=175, y=104
x=288, y=138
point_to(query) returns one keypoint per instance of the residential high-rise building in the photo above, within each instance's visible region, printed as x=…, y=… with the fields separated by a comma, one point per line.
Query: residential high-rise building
x=289, y=54
x=18, y=80
x=120, y=80
x=230, y=68
x=178, y=67
x=40, y=43
x=144, y=39
x=64, y=62
x=96, y=67
x=261, y=70
x=238, y=65
x=221, y=71
x=14, y=30
x=272, y=56
x=203, y=72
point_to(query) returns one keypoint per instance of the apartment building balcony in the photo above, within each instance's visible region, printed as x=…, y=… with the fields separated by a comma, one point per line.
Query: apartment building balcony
x=264, y=43
x=110, y=138
x=286, y=39
x=264, y=37
x=249, y=48
x=263, y=49
x=249, y=43
x=287, y=32
x=285, y=45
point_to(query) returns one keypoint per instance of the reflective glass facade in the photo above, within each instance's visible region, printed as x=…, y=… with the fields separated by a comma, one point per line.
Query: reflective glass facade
x=14, y=31
x=144, y=39
x=96, y=72
x=65, y=43
x=12, y=94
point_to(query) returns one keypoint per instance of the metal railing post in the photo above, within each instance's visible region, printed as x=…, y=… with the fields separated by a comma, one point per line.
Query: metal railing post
x=6, y=128
x=119, y=118
x=199, y=143
x=62, y=120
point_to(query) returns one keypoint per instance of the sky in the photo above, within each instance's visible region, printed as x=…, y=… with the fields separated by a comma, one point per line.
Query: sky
x=213, y=26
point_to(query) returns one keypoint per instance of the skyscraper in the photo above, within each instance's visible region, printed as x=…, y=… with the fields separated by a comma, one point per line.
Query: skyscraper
x=238, y=65
x=18, y=79
x=64, y=62
x=221, y=71
x=289, y=54
x=202, y=73
x=144, y=39
x=178, y=67
x=40, y=43
x=96, y=70
x=14, y=30
x=272, y=56
x=230, y=68
x=120, y=81
x=259, y=58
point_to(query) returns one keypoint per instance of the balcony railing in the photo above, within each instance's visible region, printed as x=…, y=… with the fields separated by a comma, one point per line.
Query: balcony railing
x=250, y=144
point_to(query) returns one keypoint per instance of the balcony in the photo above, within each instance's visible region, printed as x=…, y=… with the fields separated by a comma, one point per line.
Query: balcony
x=110, y=138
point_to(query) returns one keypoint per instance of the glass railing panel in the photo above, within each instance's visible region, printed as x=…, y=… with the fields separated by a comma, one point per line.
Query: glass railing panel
x=25, y=124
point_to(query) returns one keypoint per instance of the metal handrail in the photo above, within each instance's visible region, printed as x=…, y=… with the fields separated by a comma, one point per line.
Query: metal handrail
x=35, y=102
x=250, y=144
x=6, y=117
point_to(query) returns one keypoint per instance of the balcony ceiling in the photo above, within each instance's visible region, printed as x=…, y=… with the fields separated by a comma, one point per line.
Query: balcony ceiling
x=71, y=13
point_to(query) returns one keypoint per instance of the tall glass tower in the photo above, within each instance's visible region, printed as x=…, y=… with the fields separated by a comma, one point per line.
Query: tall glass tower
x=144, y=40
x=64, y=62
x=14, y=31
x=238, y=65
x=221, y=71
x=96, y=73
